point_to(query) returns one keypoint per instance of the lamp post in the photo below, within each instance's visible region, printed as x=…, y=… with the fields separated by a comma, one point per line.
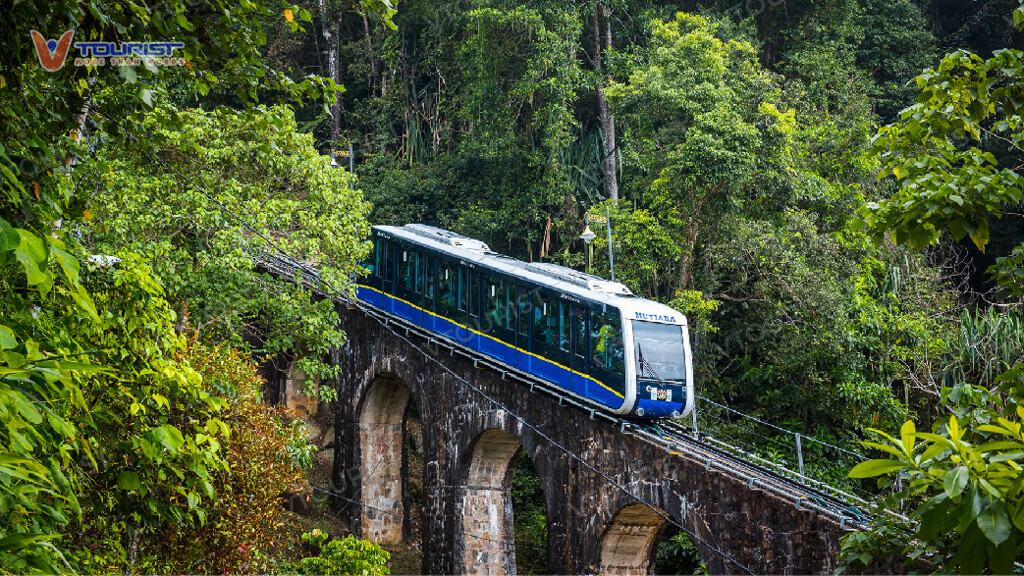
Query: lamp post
x=588, y=236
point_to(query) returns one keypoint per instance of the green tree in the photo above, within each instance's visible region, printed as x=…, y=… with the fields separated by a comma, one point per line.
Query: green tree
x=947, y=182
x=43, y=120
x=965, y=486
x=246, y=529
x=963, y=482
x=259, y=168
x=685, y=117
x=154, y=432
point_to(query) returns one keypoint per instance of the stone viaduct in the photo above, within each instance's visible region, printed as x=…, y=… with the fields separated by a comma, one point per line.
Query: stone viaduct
x=470, y=446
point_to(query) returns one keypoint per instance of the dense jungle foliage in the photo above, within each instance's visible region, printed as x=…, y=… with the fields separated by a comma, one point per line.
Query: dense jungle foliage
x=830, y=190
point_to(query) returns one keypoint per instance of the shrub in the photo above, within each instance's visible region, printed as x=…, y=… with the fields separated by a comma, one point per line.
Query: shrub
x=347, y=555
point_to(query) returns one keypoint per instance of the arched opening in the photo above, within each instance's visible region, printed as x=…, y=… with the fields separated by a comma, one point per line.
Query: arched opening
x=487, y=528
x=381, y=423
x=530, y=517
x=678, y=554
x=628, y=545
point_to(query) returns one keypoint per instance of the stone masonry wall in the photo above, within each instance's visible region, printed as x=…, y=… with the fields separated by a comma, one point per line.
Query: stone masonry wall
x=755, y=529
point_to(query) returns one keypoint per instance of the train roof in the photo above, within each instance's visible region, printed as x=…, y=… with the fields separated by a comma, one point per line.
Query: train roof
x=559, y=278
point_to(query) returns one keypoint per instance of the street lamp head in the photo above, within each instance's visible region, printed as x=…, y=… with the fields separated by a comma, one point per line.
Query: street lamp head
x=588, y=234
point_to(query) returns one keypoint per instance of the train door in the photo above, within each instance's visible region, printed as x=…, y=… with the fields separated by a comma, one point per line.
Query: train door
x=471, y=291
x=524, y=321
x=496, y=320
x=429, y=264
x=580, y=349
x=387, y=263
x=446, y=296
x=408, y=283
x=462, y=302
x=550, y=358
x=607, y=357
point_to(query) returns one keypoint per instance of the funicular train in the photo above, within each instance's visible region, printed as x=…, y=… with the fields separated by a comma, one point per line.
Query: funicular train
x=591, y=337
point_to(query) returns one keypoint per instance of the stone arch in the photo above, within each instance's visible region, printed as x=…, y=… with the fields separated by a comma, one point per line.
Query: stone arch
x=486, y=505
x=629, y=544
x=381, y=431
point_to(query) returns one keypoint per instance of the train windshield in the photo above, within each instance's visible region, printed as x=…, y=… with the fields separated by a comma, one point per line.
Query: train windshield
x=658, y=351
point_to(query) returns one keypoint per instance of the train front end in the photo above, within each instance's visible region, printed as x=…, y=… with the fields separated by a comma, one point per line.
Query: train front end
x=659, y=369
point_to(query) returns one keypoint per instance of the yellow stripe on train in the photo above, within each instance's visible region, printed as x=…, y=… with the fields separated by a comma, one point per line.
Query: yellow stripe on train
x=591, y=378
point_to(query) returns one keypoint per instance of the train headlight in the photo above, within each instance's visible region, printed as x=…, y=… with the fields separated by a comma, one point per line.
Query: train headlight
x=639, y=411
x=676, y=414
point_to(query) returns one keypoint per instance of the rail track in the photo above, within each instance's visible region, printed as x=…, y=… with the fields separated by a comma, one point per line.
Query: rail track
x=671, y=435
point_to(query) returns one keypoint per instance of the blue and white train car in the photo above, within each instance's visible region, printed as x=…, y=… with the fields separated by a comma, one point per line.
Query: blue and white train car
x=591, y=337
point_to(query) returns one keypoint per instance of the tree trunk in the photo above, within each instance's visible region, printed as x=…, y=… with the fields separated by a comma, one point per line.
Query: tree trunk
x=374, y=64
x=604, y=117
x=131, y=548
x=330, y=26
x=686, y=274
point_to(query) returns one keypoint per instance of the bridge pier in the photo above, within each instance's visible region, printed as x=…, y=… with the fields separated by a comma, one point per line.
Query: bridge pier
x=629, y=545
x=487, y=535
x=381, y=433
x=470, y=445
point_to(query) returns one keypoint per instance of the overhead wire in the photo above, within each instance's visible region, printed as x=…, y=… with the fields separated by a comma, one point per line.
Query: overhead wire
x=778, y=428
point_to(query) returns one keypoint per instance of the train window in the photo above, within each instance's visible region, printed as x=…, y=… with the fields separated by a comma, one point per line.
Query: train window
x=580, y=324
x=370, y=262
x=508, y=301
x=563, y=325
x=606, y=342
x=407, y=273
x=428, y=278
x=494, y=302
x=658, y=350
x=545, y=320
x=446, y=286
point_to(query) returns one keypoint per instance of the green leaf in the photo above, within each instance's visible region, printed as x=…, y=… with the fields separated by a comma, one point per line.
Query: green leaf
x=27, y=410
x=8, y=237
x=885, y=448
x=74, y=366
x=877, y=467
x=67, y=262
x=31, y=252
x=129, y=480
x=161, y=400
x=932, y=452
x=184, y=23
x=169, y=436
x=907, y=432
x=7, y=338
x=994, y=523
x=932, y=514
x=955, y=481
x=19, y=541
x=999, y=445
x=85, y=302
